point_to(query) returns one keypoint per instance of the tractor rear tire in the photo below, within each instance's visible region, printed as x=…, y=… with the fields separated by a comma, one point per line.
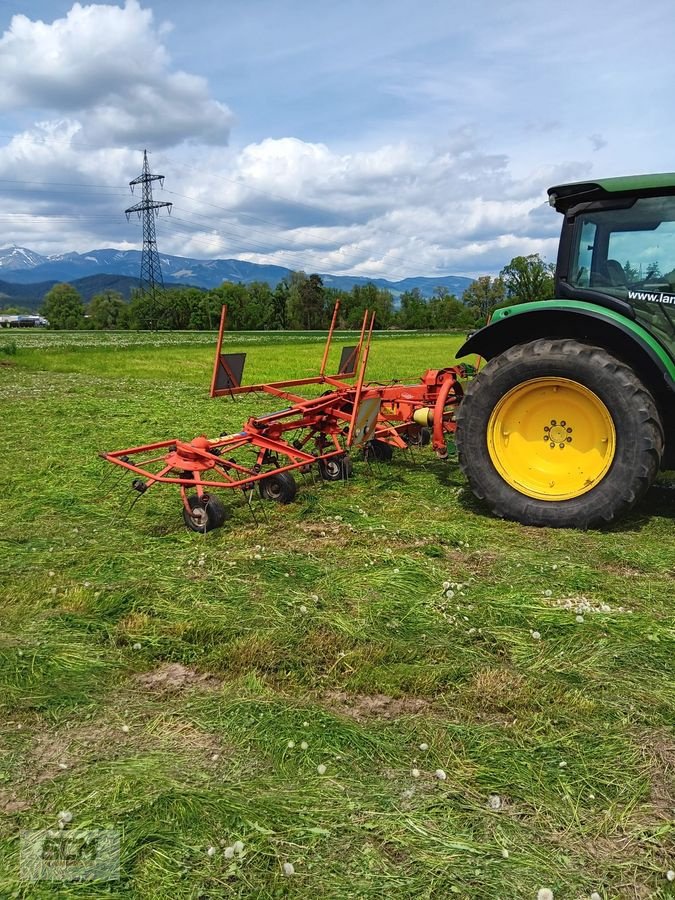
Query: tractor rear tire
x=559, y=433
x=207, y=512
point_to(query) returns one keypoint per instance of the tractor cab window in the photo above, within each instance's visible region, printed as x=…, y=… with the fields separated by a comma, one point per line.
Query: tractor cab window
x=627, y=250
x=584, y=257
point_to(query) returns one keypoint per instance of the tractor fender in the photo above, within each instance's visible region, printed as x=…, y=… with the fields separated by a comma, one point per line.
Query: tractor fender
x=625, y=339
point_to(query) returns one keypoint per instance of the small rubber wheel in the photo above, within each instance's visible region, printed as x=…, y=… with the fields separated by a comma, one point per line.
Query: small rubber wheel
x=379, y=451
x=206, y=513
x=559, y=433
x=280, y=487
x=336, y=468
x=417, y=436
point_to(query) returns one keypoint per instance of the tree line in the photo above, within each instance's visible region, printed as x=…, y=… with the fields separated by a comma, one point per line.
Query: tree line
x=300, y=302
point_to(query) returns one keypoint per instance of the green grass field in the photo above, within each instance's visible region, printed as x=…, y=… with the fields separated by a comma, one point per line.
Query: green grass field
x=188, y=690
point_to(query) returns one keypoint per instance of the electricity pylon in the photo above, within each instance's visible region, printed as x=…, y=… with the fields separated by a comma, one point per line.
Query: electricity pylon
x=148, y=209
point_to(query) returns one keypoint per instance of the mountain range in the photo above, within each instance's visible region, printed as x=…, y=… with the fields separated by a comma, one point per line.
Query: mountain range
x=37, y=273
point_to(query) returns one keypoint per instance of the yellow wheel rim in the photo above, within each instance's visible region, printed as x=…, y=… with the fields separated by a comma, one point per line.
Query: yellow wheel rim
x=551, y=438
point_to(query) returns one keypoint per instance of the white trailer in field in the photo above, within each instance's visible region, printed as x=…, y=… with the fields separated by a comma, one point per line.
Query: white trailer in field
x=12, y=321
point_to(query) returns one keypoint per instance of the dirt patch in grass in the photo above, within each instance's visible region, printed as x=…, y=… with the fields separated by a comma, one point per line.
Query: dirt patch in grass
x=658, y=751
x=11, y=804
x=374, y=706
x=172, y=677
x=60, y=751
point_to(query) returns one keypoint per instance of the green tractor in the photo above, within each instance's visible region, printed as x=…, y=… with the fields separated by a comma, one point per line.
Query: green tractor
x=573, y=416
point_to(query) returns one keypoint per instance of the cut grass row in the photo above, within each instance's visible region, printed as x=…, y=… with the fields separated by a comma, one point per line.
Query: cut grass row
x=328, y=623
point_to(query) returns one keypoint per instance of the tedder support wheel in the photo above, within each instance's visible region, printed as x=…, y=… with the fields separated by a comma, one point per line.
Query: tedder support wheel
x=417, y=436
x=335, y=468
x=559, y=433
x=206, y=513
x=280, y=487
x=378, y=451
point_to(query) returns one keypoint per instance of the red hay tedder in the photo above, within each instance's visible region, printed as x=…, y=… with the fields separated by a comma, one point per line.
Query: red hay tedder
x=375, y=418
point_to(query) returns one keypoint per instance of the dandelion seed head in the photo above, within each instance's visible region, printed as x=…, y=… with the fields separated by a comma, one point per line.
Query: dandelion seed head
x=505, y=853
x=63, y=765
x=305, y=724
x=544, y=894
x=52, y=573
x=562, y=764
x=548, y=593
x=440, y=774
x=228, y=852
x=136, y=646
x=424, y=746
x=580, y=619
x=321, y=769
x=211, y=851
x=288, y=868
x=238, y=846
x=303, y=609
x=214, y=757
x=125, y=728
x=595, y=896
x=304, y=745
x=415, y=773
x=670, y=875
x=290, y=745
x=65, y=816
x=314, y=598
x=536, y=635
x=495, y=801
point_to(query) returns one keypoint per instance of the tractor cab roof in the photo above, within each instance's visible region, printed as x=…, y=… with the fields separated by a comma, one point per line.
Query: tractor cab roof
x=564, y=196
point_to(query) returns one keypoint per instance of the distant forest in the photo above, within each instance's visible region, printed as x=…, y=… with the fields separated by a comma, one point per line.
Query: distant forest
x=299, y=302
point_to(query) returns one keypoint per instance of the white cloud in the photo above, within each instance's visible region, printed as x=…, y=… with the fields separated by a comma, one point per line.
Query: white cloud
x=392, y=211
x=99, y=83
x=107, y=67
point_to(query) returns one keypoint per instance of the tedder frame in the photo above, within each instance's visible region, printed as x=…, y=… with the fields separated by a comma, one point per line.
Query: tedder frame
x=319, y=431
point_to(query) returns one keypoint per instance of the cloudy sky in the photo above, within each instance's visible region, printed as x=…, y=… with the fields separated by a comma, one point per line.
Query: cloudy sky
x=388, y=137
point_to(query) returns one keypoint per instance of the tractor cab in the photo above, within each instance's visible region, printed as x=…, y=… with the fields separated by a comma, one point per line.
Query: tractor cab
x=617, y=248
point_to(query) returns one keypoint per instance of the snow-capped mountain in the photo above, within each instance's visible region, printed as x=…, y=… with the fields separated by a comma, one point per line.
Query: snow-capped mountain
x=13, y=259
x=22, y=266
